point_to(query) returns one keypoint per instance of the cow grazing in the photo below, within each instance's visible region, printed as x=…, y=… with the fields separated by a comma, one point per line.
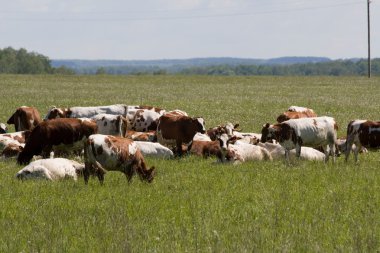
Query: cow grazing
x=25, y=118
x=154, y=149
x=52, y=169
x=312, y=132
x=104, y=153
x=111, y=124
x=3, y=128
x=141, y=136
x=362, y=133
x=295, y=115
x=86, y=112
x=56, y=132
x=175, y=130
x=145, y=119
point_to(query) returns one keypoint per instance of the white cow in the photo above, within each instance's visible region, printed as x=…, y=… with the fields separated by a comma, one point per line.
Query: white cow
x=312, y=132
x=85, y=112
x=154, y=149
x=51, y=169
x=242, y=152
x=278, y=152
x=295, y=108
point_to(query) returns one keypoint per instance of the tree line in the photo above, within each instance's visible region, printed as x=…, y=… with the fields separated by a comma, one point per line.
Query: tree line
x=22, y=62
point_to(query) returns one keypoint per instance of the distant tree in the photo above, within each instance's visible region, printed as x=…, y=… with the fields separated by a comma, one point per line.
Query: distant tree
x=101, y=71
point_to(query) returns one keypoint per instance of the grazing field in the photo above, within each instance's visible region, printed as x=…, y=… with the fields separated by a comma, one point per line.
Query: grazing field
x=194, y=204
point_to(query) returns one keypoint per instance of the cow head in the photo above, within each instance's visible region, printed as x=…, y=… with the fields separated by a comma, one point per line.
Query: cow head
x=3, y=128
x=269, y=132
x=230, y=128
x=200, y=125
x=12, y=150
x=148, y=175
x=55, y=112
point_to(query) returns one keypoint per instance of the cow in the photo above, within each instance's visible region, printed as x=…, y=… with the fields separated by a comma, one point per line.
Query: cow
x=278, y=152
x=3, y=128
x=104, y=153
x=20, y=136
x=362, y=133
x=86, y=112
x=295, y=108
x=175, y=130
x=142, y=136
x=145, y=119
x=312, y=132
x=295, y=115
x=52, y=169
x=111, y=124
x=56, y=132
x=242, y=152
x=206, y=149
x=341, y=146
x=154, y=149
x=176, y=113
x=25, y=118
x=11, y=149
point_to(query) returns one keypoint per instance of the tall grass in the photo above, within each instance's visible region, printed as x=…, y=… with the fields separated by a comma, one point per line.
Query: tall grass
x=194, y=204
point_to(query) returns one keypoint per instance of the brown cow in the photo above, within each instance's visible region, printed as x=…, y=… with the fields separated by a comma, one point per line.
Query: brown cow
x=175, y=130
x=104, y=153
x=362, y=133
x=295, y=115
x=206, y=148
x=141, y=136
x=25, y=118
x=56, y=132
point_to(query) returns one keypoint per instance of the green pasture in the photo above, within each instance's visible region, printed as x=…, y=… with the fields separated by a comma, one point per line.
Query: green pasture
x=194, y=204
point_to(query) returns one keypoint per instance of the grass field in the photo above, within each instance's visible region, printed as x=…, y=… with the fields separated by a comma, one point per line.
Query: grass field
x=195, y=205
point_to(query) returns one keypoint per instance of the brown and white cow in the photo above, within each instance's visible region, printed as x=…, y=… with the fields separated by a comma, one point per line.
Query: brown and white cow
x=86, y=112
x=111, y=124
x=312, y=132
x=175, y=130
x=142, y=136
x=11, y=149
x=25, y=118
x=104, y=153
x=295, y=115
x=21, y=136
x=145, y=119
x=295, y=108
x=362, y=133
x=3, y=128
x=49, y=134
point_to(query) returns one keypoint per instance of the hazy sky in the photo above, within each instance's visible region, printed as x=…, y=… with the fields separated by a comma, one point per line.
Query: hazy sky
x=172, y=29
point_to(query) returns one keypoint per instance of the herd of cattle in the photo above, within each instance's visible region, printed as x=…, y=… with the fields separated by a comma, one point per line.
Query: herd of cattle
x=117, y=137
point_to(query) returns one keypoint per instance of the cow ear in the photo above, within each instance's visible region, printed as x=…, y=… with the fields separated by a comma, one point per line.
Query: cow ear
x=21, y=148
x=236, y=125
x=267, y=125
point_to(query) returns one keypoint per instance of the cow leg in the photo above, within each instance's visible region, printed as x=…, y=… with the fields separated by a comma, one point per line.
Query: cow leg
x=356, y=150
x=332, y=151
x=287, y=156
x=298, y=150
x=86, y=172
x=179, y=148
x=349, y=142
x=129, y=172
x=100, y=175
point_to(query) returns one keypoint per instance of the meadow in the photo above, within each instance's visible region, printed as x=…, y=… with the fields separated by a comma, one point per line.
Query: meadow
x=194, y=204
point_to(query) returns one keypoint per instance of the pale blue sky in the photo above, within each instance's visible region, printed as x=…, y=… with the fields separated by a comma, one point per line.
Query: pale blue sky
x=173, y=29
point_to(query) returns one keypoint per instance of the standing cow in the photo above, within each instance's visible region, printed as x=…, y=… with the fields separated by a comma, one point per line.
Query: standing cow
x=175, y=130
x=362, y=133
x=294, y=133
x=68, y=133
x=104, y=153
x=25, y=118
